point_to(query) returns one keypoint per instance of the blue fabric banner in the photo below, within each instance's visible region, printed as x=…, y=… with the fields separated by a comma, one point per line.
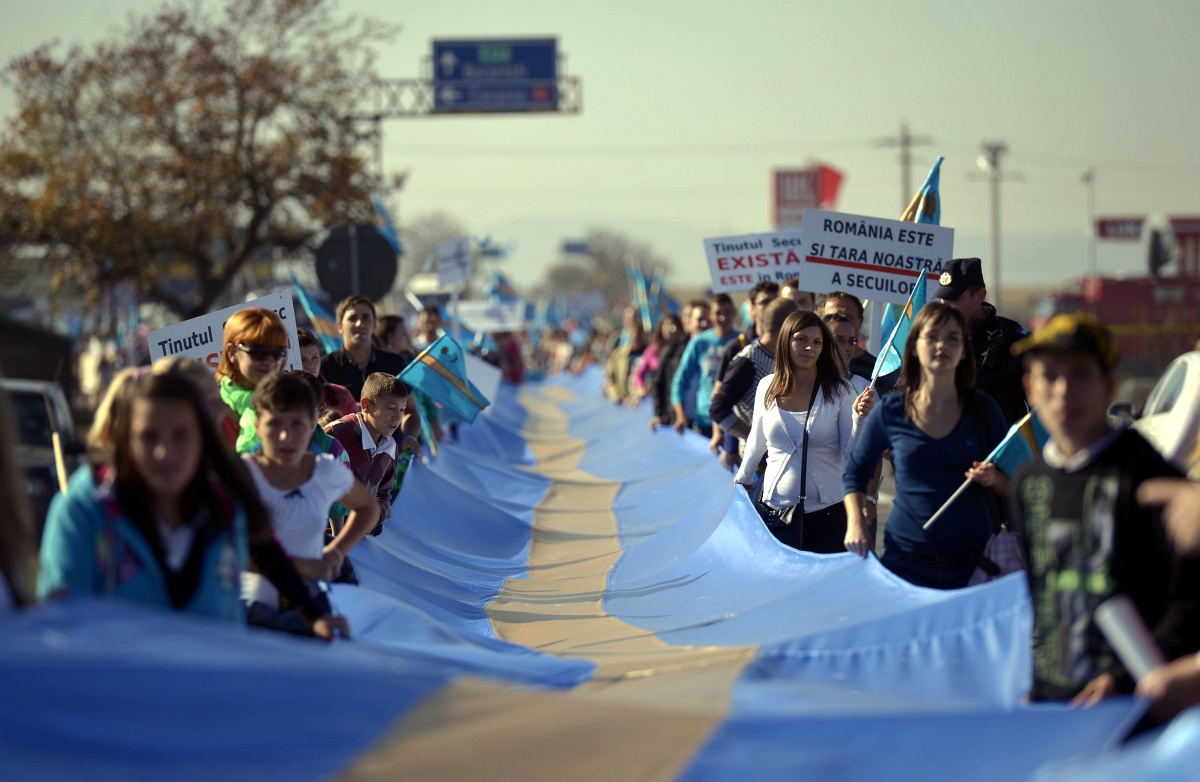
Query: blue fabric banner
x=566, y=593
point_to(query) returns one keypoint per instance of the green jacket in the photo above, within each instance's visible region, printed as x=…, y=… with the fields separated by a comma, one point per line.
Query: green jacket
x=238, y=399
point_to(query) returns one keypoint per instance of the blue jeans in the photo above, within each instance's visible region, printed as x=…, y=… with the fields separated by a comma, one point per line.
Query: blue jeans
x=951, y=571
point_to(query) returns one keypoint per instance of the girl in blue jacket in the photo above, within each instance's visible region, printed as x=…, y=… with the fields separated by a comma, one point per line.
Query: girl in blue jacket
x=170, y=519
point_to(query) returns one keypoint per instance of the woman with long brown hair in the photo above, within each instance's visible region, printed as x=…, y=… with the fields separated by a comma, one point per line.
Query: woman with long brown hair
x=170, y=518
x=809, y=400
x=939, y=429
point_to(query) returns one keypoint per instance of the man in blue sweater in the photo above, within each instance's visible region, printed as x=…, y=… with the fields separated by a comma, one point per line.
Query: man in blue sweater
x=702, y=361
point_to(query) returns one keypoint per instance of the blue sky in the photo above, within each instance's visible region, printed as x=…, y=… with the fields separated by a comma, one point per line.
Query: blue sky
x=687, y=106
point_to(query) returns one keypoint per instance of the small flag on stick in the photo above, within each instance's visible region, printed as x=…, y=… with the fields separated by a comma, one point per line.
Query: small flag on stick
x=440, y=372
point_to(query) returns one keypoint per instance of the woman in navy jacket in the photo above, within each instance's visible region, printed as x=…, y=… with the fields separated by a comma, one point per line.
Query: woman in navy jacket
x=939, y=430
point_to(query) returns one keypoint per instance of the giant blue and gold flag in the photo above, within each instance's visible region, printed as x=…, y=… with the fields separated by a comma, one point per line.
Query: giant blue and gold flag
x=440, y=372
x=563, y=571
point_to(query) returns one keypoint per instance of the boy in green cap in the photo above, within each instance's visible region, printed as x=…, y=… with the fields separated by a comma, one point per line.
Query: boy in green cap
x=1086, y=537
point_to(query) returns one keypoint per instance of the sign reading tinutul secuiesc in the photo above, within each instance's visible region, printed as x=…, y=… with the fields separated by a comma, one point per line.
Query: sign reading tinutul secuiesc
x=871, y=257
x=738, y=263
x=201, y=338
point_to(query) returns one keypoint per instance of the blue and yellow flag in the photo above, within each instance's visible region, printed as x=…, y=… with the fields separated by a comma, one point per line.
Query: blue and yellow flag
x=440, y=372
x=926, y=205
x=891, y=355
x=1023, y=448
x=500, y=288
x=383, y=224
x=322, y=321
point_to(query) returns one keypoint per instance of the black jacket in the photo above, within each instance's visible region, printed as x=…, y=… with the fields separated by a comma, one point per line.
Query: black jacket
x=669, y=355
x=997, y=371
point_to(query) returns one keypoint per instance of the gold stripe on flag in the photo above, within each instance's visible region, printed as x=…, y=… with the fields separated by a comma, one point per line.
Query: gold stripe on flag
x=650, y=706
x=450, y=377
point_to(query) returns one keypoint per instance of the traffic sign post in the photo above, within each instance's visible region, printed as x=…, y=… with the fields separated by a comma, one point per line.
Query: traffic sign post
x=514, y=75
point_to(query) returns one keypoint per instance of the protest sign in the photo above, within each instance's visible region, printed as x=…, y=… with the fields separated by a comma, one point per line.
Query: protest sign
x=584, y=305
x=453, y=262
x=871, y=257
x=201, y=338
x=492, y=316
x=738, y=263
x=485, y=377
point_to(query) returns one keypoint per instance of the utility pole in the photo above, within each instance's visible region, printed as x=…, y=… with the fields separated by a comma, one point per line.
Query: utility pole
x=905, y=141
x=989, y=162
x=1089, y=180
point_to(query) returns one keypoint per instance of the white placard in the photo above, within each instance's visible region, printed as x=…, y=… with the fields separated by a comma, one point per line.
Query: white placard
x=201, y=338
x=585, y=305
x=453, y=262
x=485, y=377
x=492, y=316
x=871, y=257
x=738, y=263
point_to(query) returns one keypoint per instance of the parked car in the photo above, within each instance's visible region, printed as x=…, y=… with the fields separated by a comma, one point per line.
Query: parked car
x=40, y=409
x=1171, y=418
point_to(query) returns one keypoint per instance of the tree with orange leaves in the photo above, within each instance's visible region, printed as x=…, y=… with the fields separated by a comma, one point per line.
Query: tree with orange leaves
x=189, y=144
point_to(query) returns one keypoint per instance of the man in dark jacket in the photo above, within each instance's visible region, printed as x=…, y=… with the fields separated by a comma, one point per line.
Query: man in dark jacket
x=1086, y=539
x=997, y=371
x=695, y=320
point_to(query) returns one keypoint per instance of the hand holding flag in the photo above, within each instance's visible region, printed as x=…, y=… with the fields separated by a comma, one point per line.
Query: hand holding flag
x=997, y=453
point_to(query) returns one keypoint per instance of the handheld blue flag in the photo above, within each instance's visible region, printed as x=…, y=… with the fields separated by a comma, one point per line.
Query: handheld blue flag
x=383, y=224
x=500, y=288
x=440, y=372
x=890, y=356
x=1025, y=448
x=1014, y=444
x=926, y=205
x=322, y=321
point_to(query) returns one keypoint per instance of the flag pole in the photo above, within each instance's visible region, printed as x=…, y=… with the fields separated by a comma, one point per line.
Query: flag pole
x=1012, y=431
x=891, y=338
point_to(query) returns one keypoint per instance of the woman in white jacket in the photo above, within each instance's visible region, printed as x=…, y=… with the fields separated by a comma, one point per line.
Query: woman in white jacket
x=811, y=392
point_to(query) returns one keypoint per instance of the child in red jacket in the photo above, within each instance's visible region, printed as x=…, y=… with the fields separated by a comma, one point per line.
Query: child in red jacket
x=367, y=437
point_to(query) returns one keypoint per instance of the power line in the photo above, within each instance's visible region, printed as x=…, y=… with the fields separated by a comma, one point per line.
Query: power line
x=640, y=149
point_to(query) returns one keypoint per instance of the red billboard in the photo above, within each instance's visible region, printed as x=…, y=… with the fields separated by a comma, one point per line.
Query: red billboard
x=1131, y=227
x=795, y=190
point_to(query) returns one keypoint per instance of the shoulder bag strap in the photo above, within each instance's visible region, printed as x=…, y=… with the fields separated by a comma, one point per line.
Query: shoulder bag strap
x=804, y=447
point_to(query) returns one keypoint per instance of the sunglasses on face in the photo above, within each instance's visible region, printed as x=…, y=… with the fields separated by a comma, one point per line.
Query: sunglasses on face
x=261, y=353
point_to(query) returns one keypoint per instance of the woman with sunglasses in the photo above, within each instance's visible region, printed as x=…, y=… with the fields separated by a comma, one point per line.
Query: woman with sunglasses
x=255, y=346
x=940, y=429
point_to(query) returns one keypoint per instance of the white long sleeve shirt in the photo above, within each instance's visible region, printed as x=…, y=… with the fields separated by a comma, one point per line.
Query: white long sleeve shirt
x=832, y=428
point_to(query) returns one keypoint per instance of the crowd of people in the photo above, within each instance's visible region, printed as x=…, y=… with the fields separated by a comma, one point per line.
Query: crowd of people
x=235, y=494
x=788, y=407
x=238, y=494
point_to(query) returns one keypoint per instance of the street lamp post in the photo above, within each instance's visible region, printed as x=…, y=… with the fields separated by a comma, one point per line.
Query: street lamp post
x=989, y=161
x=1089, y=179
